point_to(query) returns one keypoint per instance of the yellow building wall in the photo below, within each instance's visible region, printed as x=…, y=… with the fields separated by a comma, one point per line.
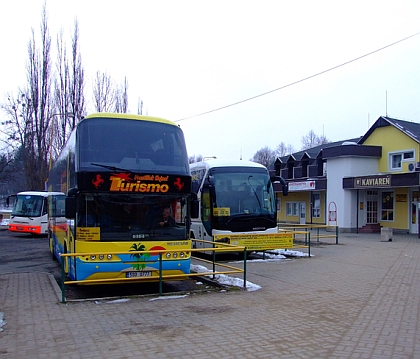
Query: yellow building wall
x=391, y=139
x=401, y=210
x=304, y=196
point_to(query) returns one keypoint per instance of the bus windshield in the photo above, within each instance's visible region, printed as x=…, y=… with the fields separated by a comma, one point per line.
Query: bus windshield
x=134, y=217
x=242, y=195
x=127, y=145
x=29, y=206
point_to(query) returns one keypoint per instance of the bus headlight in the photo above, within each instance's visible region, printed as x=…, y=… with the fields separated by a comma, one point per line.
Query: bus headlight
x=182, y=255
x=109, y=256
x=93, y=257
x=168, y=255
x=175, y=255
x=101, y=257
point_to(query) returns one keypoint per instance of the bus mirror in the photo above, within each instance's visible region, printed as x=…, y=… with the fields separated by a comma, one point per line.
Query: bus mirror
x=211, y=180
x=72, y=192
x=70, y=207
x=285, y=189
x=284, y=185
x=194, y=208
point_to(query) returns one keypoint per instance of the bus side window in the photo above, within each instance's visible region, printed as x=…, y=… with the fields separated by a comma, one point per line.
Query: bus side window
x=45, y=207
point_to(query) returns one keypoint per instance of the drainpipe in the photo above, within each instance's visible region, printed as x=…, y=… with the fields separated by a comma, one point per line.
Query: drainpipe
x=357, y=212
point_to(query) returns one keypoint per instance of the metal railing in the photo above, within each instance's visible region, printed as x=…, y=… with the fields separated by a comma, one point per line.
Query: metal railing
x=221, y=247
x=311, y=230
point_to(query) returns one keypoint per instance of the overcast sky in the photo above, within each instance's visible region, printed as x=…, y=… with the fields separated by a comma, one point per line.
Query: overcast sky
x=184, y=58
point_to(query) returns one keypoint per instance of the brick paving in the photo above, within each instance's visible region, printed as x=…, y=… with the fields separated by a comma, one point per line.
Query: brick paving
x=358, y=299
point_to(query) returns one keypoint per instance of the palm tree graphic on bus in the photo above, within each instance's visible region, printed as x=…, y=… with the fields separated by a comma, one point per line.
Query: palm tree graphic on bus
x=140, y=258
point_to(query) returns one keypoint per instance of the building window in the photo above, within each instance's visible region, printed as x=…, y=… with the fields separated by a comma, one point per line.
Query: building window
x=291, y=208
x=409, y=155
x=278, y=204
x=316, y=205
x=387, y=212
x=396, y=162
x=396, y=159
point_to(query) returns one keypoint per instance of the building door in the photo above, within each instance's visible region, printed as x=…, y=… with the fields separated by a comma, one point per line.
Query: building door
x=372, y=207
x=414, y=227
x=302, y=212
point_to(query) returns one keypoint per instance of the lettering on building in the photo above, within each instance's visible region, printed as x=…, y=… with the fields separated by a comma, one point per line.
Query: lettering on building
x=374, y=181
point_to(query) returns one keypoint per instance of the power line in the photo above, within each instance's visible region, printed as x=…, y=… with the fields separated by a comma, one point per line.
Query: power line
x=301, y=80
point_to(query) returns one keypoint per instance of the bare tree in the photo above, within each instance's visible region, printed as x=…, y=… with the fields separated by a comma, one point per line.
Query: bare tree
x=77, y=80
x=5, y=166
x=312, y=140
x=103, y=93
x=194, y=158
x=29, y=113
x=265, y=156
x=59, y=126
x=11, y=173
x=140, y=107
x=121, y=98
x=283, y=149
x=69, y=92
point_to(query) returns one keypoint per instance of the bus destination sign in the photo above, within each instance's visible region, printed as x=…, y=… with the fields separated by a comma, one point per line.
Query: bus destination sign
x=134, y=183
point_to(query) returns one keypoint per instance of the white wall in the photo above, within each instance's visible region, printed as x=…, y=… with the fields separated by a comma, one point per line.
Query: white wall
x=346, y=200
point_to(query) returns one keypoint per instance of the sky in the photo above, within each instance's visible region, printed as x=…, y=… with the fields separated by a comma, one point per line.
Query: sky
x=185, y=58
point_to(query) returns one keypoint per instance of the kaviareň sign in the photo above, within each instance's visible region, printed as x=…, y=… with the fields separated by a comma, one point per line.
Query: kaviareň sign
x=372, y=181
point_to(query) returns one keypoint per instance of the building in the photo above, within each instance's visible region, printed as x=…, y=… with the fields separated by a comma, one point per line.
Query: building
x=359, y=184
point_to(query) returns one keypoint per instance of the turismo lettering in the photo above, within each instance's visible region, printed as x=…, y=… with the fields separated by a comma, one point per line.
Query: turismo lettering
x=119, y=184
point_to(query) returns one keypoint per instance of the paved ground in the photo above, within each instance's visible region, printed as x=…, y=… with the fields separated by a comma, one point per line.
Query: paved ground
x=358, y=299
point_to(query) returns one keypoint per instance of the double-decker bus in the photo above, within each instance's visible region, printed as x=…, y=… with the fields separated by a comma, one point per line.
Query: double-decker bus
x=237, y=205
x=128, y=186
x=33, y=210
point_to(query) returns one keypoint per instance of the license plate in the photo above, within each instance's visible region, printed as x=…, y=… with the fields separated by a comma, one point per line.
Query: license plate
x=138, y=274
x=19, y=228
